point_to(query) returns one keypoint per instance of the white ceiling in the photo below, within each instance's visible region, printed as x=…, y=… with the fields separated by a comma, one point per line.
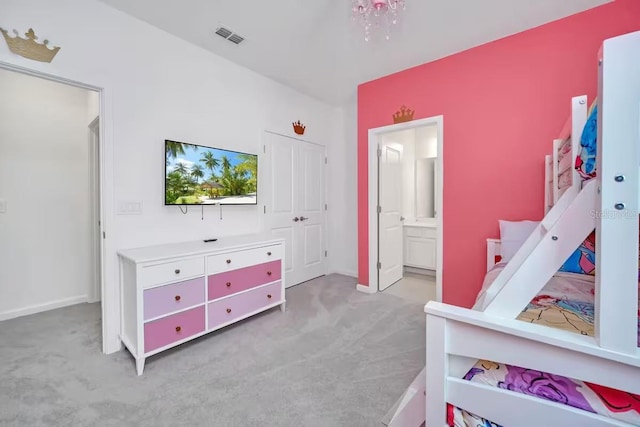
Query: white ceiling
x=314, y=47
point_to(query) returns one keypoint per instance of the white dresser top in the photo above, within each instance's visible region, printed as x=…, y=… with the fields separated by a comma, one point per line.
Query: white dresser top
x=173, y=250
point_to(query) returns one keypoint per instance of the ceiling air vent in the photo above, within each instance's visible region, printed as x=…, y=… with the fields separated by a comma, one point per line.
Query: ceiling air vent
x=235, y=39
x=229, y=35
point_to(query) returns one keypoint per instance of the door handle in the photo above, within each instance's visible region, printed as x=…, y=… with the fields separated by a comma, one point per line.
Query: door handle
x=401, y=218
x=303, y=218
x=296, y=219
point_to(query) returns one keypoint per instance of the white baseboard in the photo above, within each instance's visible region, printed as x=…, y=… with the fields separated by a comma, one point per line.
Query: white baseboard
x=345, y=273
x=33, y=309
x=365, y=289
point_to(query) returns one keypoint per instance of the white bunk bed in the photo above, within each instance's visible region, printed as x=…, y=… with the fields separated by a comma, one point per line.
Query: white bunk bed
x=457, y=337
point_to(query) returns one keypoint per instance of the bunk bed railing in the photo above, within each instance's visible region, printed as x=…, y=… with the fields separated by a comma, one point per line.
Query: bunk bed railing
x=468, y=335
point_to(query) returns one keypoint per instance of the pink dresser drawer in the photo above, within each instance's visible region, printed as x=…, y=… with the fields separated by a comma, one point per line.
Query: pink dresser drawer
x=231, y=282
x=166, y=299
x=237, y=306
x=173, y=328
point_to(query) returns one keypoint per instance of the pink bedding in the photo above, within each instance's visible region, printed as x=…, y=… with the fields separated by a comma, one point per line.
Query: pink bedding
x=566, y=302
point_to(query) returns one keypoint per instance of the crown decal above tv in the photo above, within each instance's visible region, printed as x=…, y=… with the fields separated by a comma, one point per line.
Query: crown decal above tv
x=199, y=175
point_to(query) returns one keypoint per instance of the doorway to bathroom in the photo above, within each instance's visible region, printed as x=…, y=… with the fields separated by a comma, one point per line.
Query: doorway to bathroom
x=405, y=218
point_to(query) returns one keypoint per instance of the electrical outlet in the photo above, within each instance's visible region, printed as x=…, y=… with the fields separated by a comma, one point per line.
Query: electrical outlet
x=130, y=207
x=3, y=206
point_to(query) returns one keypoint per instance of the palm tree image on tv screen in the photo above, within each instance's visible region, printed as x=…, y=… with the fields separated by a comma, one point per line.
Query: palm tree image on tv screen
x=197, y=175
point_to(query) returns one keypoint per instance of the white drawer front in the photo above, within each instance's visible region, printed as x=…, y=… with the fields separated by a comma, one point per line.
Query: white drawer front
x=174, y=271
x=423, y=232
x=240, y=259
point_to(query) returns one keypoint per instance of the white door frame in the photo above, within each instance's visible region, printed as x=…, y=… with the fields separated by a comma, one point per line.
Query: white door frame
x=108, y=277
x=261, y=178
x=94, y=171
x=372, y=147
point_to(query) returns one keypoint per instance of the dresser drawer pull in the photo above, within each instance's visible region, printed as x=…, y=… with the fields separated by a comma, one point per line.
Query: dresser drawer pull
x=228, y=284
x=177, y=297
x=269, y=296
x=178, y=328
x=177, y=271
x=268, y=273
x=228, y=310
x=228, y=261
x=268, y=253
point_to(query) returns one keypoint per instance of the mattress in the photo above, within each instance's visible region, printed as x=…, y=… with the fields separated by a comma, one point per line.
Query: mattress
x=566, y=302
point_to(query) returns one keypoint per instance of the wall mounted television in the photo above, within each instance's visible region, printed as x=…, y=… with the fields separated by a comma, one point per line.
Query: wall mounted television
x=199, y=175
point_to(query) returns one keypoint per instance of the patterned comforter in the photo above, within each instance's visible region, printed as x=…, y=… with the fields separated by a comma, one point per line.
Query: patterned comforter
x=566, y=302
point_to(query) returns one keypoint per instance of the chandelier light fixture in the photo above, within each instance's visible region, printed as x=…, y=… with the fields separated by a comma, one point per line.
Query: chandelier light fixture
x=377, y=15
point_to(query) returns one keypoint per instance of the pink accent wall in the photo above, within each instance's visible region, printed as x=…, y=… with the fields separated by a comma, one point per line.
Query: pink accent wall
x=503, y=104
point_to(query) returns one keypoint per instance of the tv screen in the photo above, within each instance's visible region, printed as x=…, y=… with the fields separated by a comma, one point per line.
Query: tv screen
x=199, y=175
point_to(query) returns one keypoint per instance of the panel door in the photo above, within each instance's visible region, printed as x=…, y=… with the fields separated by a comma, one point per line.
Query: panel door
x=311, y=210
x=296, y=206
x=390, y=216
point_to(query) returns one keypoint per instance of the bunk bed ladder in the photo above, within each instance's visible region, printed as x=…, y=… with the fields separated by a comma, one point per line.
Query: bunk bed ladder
x=561, y=231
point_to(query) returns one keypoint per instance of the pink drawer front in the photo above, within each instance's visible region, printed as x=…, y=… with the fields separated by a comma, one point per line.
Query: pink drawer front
x=237, y=306
x=173, y=328
x=231, y=282
x=166, y=299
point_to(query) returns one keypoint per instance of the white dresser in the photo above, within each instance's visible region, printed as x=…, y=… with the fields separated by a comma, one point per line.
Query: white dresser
x=420, y=245
x=171, y=294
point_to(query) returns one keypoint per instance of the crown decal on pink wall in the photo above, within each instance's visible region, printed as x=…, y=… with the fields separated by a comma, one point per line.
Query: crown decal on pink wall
x=404, y=114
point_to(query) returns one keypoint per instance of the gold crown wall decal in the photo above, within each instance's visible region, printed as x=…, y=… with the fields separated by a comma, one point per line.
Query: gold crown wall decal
x=298, y=127
x=29, y=48
x=404, y=114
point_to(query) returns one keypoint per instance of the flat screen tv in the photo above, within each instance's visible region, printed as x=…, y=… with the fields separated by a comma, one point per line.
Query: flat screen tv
x=199, y=175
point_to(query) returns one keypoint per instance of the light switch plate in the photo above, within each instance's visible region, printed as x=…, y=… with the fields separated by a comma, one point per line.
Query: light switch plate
x=129, y=207
x=3, y=206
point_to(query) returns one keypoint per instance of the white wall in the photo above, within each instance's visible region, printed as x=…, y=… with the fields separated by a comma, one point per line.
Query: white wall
x=157, y=86
x=342, y=194
x=44, y=234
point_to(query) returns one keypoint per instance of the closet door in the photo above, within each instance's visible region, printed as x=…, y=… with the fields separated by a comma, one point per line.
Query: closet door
x=295, y=206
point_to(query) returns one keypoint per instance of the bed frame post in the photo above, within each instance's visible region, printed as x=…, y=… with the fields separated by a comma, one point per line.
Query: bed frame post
x=617, y=204
x=437, y=371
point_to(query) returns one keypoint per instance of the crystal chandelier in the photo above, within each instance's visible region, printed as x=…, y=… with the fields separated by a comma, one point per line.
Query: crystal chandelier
x=377, y=15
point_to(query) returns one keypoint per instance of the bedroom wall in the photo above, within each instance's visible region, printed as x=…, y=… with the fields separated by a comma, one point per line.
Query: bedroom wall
x=341, y=191
x=45, y=251
x=158, y=86
x=503, y=103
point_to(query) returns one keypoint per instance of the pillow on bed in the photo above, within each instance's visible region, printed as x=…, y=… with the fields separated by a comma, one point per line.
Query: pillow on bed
x=583, y=260
x=512, y=235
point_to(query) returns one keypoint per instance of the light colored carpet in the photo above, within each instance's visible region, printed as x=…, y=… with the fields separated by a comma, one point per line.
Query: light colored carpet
x=414, y=287
x=337, y=357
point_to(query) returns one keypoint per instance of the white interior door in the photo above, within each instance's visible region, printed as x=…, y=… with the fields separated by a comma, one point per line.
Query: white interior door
x=310, y=193
x=390, y=215
x=295, y=206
